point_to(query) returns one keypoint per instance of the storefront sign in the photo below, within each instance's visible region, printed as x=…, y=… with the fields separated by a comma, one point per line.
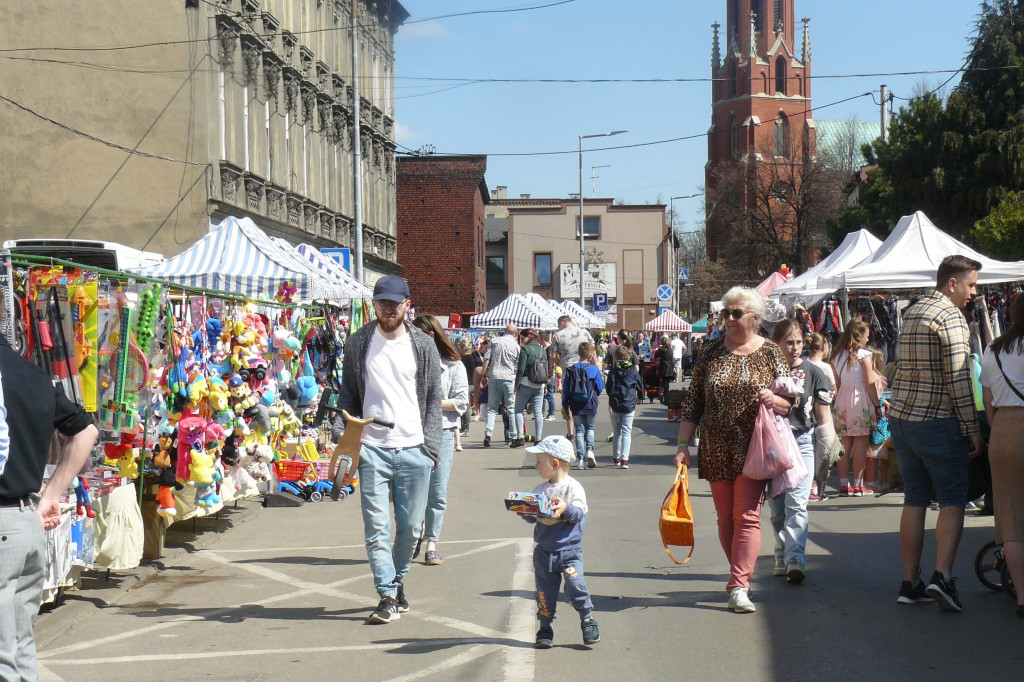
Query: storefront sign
x=600, y=278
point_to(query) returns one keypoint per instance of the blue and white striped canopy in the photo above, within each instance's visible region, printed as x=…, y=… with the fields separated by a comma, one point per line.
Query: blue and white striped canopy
x=328, y=267
x=238, y=257
x=327, y=285
x=513, y=310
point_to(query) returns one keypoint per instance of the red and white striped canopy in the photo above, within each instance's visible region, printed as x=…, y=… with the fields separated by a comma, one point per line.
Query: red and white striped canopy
x=668, y=321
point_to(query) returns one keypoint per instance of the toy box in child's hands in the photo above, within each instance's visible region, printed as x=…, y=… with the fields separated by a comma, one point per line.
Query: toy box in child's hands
x=528, y=504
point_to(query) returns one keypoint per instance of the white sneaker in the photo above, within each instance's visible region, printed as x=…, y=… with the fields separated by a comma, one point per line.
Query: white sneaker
x=780, y=567
x=591, y=460
x=739, y=600
x=458, y=448
x=580, y=464
x=549, y=418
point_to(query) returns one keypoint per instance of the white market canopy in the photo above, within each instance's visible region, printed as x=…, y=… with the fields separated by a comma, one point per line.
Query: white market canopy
x=856, y=248
x=325, y=266
x=515, y=310
x=909, y=258
x=585, y=317
x=668, y=321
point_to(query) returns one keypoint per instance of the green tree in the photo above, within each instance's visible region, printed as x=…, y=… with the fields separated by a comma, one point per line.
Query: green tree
x=1001, y=232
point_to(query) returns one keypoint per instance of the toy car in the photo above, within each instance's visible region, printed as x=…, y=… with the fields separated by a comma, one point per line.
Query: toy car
x=257, y=369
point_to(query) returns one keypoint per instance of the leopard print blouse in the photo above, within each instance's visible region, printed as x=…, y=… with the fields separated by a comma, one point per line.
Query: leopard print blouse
x=723, y=400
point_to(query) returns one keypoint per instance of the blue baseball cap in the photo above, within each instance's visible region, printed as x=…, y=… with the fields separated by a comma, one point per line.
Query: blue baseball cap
x=391, y=288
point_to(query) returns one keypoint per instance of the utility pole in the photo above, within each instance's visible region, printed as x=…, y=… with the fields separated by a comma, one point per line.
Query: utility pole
x=884, y=114
x=357, y=161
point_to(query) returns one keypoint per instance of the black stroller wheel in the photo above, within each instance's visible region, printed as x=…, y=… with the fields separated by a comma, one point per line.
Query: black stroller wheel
x=989, y=565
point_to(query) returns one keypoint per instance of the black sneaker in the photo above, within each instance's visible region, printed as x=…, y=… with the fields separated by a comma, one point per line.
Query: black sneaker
x=487, y=441
x=944, y=592
x=386, y=611
x=913, y=594
x=591, y=635
x=545, y=638
x=403, y=603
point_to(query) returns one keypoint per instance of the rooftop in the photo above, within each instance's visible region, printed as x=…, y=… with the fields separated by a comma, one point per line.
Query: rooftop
x=843, y=139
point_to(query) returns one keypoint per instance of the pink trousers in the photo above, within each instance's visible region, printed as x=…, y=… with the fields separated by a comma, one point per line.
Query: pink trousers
x=738, y=504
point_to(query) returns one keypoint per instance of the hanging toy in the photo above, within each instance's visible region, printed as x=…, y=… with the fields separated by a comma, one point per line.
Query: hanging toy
x=145, y=322
x=786, y=272
x=84, y=504
x=162, y=451
x=286, y=294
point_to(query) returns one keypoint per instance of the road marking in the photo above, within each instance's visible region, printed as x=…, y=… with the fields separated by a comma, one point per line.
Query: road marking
x=471, y=654
x=522, y=612
x=272, y=550
x=47, y=675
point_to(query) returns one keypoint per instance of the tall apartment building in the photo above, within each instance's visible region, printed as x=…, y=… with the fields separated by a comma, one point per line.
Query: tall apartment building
x=202, y=109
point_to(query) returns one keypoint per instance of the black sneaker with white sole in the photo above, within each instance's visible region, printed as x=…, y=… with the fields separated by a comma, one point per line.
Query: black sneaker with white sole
x=913, y=594
x=591, y=635
x=944, y=593
x=386, y=611
x=545, y=637
x=403, y=603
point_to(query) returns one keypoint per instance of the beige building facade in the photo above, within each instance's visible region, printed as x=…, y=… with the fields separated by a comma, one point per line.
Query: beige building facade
x=626, y=247
x=203, y=109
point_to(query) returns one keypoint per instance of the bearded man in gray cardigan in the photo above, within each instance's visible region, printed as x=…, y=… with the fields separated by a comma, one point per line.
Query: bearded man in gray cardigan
x=392, y=373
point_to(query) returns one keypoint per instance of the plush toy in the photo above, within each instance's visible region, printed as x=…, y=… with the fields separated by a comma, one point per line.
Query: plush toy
x=165, y=505
x=241, y=394
x=307, y=382
x=269, y=395
x=162, y=451
x=84, y=504
x=115, y=451
x=260, y=418
x=214, y=328
x=127, y=465
x=198, y=390
x=191, y=439
x=201, y=468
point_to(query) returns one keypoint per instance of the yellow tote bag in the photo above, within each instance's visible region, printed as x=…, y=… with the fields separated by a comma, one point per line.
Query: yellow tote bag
x=676, y=524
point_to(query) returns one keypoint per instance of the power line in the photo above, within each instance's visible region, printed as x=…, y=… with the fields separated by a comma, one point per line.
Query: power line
x=492, y=11
x=629, y=146
x=87, y=136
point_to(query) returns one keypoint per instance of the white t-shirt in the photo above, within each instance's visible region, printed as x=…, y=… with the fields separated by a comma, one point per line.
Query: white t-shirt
x=390, y=376
x=567, y=344
x=826, y=370
x=852, y=374
x=677, y=348
x=992, y=378
x=569, y=491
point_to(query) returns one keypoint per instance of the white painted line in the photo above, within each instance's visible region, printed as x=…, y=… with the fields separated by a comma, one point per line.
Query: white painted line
x=47, y=675
x=522, y=616
x=485, y=548
x=467, y=656
x=272, y=550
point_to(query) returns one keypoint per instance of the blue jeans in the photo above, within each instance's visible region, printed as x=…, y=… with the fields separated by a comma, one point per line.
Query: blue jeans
x=534, y=396
x=622, y=434
x=549, y=569
x=933, y=458
x=549, y=397
x=789, y=511
x=437, y=493
x=496, y=391
x=584, y=423
x=404, y=474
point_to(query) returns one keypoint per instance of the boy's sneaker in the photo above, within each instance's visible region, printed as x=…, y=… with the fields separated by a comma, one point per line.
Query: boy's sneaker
x=591, y=635
x=400, y=600
x=386, y=611
x=545, y=638
x=623, y=463
x=795, y=573
x=944, y=592
x=780, y=568
x=913, y=594
x=591, y=460
x=616, y=461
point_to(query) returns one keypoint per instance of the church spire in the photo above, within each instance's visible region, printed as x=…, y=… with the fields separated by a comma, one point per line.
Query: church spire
x=806, y=54
x=716, y=52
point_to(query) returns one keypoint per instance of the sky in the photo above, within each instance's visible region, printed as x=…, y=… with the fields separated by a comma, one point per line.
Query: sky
x=588, y=39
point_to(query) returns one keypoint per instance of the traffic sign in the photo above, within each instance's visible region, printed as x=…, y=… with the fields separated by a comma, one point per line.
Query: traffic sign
x=342, y=256
x=600, y=302
x=664, y=293
x=662, y=309
x=684, y=274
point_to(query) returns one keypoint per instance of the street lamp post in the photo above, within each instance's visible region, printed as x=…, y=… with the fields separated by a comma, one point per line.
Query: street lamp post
x=583, y=137
x=675, y=247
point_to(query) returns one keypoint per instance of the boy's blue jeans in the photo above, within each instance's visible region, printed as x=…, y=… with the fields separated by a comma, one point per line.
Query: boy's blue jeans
x=584, y=441
x=550, y=568
x=405, y=474
x=622, y=434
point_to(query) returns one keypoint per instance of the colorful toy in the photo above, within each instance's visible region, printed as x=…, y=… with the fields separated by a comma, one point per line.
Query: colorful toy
x=191, y=439
x=528, y=504
x=162, y=451
x=84, y=504
x=118, y=413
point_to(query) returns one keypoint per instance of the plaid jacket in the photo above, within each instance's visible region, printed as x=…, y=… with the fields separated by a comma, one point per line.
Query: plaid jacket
x=933, y=380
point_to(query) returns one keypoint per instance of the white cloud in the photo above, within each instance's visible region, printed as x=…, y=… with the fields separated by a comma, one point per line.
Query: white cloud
x=431, y=30
x=406, y=135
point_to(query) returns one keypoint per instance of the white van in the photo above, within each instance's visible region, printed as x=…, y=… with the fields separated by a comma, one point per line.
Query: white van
x=109, y=255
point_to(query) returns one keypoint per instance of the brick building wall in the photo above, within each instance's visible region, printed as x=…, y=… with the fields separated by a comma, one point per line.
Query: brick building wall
x=441, y=225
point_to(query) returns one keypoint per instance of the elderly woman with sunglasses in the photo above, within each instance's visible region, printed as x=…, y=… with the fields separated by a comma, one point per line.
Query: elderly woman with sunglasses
x=731, y=379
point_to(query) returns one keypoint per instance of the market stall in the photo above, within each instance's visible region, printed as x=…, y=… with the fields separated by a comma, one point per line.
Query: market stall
x=812, y=286
x=518, y=311
x=668, y=321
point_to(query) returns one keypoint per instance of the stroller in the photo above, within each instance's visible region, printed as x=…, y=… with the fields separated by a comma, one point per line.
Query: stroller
x=652, y=380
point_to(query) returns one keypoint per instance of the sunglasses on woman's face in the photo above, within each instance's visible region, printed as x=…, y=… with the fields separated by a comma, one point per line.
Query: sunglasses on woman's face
x=735, y=313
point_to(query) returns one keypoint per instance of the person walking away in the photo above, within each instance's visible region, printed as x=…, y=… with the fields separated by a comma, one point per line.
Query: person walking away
x=666, y=367
x=559, y=537
x=622, y=339
x=623, y=386
x=454, y=391
x=1002, y=381
x=857, y=403
x=549, y=388
x=731, y=379
x=499, y=370
x=818, y=348
x=678, y=348
x=810, y=410
x=566, y=342
x=531, y=378
x=392, y=373
x=934, y=427
x=31, y=409
x=469, y=361
x=582, y=386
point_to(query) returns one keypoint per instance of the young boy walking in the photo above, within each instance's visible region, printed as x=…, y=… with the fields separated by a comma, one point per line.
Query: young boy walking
x=559, y=537
x=582, y=385
x=624, y=385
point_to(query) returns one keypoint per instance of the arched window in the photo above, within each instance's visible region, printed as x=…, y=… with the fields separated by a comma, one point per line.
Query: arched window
x=732, y=77
x=734, y=137
x=764, y=82
x=780, y=75
x=781, y=135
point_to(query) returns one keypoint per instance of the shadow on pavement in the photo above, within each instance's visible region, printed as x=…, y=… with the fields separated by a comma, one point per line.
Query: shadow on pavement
x=243, y=613
x=304, y=561
x=428, y=644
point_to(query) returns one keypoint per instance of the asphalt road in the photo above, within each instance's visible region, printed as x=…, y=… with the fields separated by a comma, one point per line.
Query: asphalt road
x=282, y=594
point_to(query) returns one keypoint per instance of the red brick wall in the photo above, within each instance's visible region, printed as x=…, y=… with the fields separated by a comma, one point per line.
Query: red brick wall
x=441, y=232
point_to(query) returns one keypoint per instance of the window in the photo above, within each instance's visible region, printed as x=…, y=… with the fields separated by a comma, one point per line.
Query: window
x=780, y=75
x=496, y=271
x=542, y=269
x=781, y=136
x=779, y=20
x=591, y=227
x=734, y=138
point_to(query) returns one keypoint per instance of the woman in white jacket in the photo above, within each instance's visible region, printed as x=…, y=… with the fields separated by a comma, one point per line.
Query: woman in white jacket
x=454, y=401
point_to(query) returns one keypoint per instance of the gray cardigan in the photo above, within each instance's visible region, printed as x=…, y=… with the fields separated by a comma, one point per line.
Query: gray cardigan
x=428, y=383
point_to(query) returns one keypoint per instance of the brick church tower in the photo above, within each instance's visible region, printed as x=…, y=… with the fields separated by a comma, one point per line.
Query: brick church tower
x=760, y=96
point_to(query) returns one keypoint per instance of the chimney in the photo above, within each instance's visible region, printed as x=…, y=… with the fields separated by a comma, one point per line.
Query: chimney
x=524, y=196
x=501, y=192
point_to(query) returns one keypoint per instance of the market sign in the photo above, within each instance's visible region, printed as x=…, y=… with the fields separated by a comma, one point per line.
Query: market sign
x=599, y=279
